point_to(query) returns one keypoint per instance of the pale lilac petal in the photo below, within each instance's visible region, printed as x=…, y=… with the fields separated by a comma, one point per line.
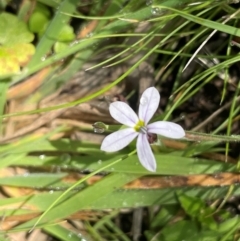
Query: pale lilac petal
x=166, y=128
x=118, y=140
x=145, y=154
x=123, y=113
x=148, y=105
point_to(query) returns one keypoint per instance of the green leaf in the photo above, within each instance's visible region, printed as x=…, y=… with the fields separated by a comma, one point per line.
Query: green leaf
x=83, y=199
x=182, y=230
x=12, y=57
x=13, y=31
x=15, y=49
x=196, y=208
x=164, y=216
x=43, y=9
x=37, y=22
x=188, y=231
x=228, y=225
x=191, y=205
x=60, y=46
x=165, y=196
x=204, y=22
x=35, y=180
x=53, y=30
x=66, y=34
x=64, y=233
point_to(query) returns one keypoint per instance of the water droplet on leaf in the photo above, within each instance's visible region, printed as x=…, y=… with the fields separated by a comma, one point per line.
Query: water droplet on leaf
x=99, y=127
x=42, y=157
x=89, y=35
x=65, y=157
x=143, y=100
x=43, y=58
x=148, y=2
x=155, y=11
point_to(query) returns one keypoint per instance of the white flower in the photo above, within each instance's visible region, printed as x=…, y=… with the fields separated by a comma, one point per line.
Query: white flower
x=139, y=127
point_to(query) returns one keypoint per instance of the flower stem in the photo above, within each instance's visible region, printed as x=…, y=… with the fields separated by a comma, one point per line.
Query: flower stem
x=196, y=136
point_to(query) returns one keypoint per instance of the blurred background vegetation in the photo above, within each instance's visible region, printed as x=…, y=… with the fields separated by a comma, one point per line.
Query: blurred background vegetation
x=62, y=62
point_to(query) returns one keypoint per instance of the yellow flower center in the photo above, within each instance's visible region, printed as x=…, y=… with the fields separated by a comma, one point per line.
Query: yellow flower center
x=140, y=127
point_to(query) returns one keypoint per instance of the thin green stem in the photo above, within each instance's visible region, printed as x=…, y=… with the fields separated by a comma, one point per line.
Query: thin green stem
x=196, y=136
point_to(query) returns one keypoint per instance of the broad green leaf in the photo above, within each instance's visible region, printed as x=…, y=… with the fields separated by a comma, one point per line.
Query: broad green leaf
x=36, y=180
x=122, y=198
x=167, y=164
x=39, y=19
x=164, y=216
x=15, y=49
x=228, y=225
x=13, y=31
x=37, y=22
x=66, y=34
x=63, y=233
x=60, y=46
x=187, y=230
x=182, y=230
x=64, y=38
x=84, y=198
x=197, y=209
x=191, y=205
x=43, y=9
x=140, y=198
